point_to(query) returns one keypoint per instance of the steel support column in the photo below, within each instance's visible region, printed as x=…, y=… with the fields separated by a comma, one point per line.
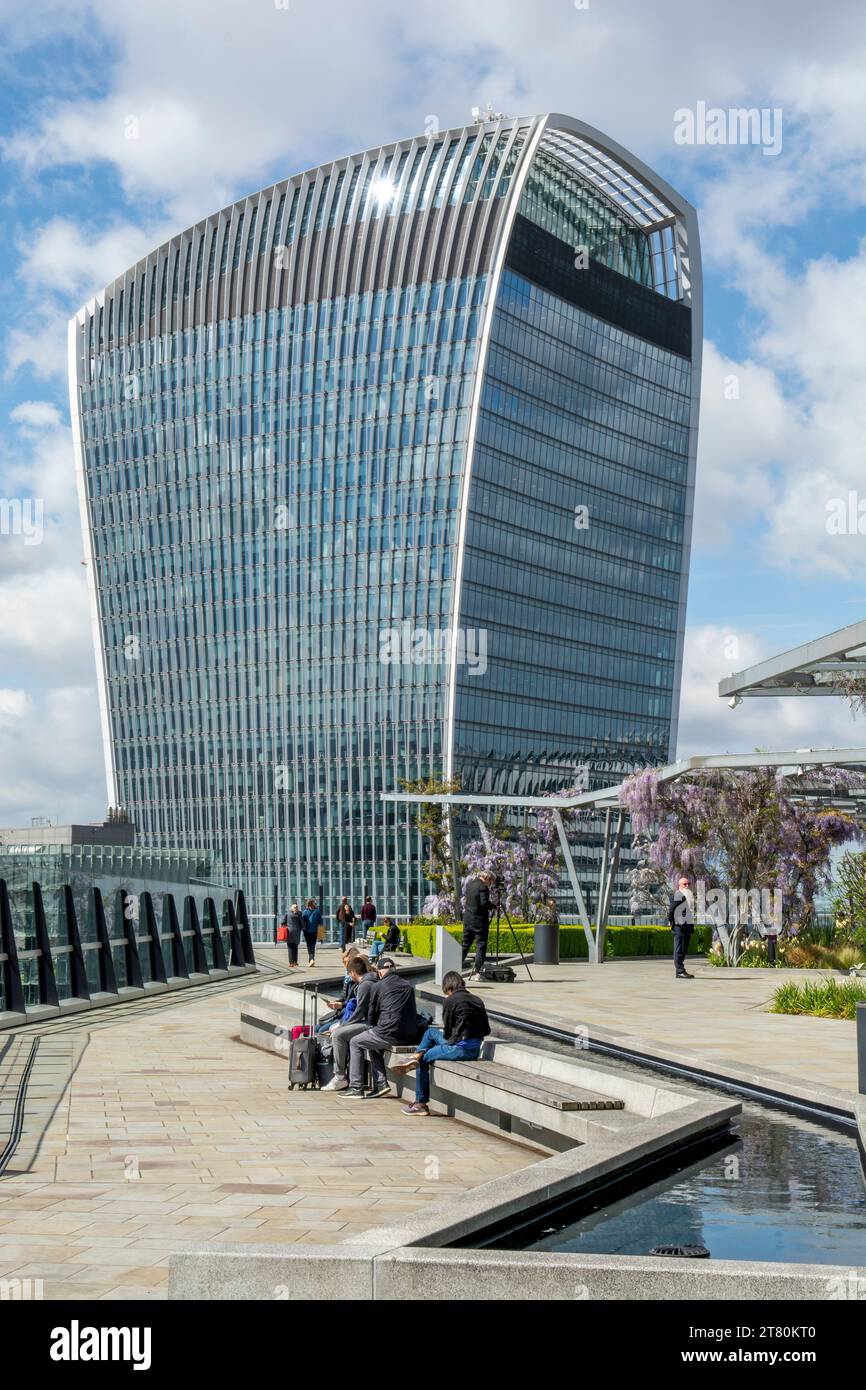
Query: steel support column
x=107, y=977
x=217, y=949
x=191, y=924
x=154, y=945
x=124, y=930
x=47, y=979
x=574, y=881
x=244, y=927
x=78, y=986
x=179, y=968
x=13, y=994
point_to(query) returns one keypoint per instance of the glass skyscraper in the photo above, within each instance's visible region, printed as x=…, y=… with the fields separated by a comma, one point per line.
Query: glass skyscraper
x=387, y=472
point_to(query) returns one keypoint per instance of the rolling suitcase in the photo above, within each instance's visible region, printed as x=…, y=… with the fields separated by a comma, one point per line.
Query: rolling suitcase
x=302, y=1050
x=324, y=1060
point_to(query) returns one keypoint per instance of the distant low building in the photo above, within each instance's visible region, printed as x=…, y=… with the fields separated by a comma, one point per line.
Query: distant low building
x=43, y=836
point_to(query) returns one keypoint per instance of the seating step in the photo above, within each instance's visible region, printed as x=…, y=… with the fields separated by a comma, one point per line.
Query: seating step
x=541, y=1089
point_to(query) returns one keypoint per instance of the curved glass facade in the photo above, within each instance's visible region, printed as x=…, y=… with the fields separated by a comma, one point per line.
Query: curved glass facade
x=331, y=447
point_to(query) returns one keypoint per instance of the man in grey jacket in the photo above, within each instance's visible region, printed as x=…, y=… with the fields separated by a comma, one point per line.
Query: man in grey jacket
x=364, y=980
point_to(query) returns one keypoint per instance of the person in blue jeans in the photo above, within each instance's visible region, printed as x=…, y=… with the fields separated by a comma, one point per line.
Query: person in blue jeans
x=464, y=1026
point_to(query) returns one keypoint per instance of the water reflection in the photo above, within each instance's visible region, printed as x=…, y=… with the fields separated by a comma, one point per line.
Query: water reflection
x=787, y=1190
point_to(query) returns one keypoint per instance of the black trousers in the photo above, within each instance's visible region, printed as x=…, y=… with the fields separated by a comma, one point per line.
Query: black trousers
x=475, y=937
x=293, y=952
x=311, y=937
x=682, y=937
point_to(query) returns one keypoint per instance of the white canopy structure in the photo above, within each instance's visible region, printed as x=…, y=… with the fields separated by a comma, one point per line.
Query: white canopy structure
x=811, y=669
x=609, y=800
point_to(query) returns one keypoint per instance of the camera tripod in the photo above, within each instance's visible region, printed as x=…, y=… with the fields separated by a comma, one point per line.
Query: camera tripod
x=500, y=911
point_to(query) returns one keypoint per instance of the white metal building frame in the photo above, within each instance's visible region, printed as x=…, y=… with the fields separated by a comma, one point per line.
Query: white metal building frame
x=609, y=800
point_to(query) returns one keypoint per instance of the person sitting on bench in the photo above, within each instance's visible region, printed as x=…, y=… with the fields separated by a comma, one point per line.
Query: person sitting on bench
x=392, y=1018
x=392, y=934
x=464, y=1025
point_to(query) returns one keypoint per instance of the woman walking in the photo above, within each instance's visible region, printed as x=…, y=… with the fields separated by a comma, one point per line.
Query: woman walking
x=295, y=925
x=312, y=916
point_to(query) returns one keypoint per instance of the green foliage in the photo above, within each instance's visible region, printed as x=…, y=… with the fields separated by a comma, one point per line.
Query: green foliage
x=819, y=998
x=619, y=941
x=432, y=821
x=848, y=897
x=797, y=953
x=652, y=941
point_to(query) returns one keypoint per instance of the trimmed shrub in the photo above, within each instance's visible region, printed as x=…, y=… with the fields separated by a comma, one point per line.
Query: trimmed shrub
x=619, y=941
x=653, y=941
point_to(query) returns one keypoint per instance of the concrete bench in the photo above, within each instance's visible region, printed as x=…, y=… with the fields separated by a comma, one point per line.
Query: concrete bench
x=514, y=1091
x=539, y=1089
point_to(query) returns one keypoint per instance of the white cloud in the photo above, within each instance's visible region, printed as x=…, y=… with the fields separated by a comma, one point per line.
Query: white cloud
x=65, y=257
x=14, y=704
x=50, y=757
x=230, y=95
x=791, y=442
x=220, y=91
x=708, y=725
x=33, y=416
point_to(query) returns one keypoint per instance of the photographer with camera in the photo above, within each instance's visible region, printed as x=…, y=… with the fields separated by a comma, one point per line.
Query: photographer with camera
x=478, y=899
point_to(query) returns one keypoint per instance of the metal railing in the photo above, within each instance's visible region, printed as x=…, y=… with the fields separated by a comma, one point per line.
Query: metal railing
x=173, y=957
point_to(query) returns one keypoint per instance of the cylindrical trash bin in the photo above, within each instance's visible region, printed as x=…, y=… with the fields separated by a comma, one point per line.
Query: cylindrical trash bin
x=546, y=947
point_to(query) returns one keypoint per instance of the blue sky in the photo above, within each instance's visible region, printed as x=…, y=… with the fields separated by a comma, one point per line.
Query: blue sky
x=231, y=94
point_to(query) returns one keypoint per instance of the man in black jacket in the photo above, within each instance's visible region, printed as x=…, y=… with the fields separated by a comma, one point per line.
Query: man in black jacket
x=681, y=918
x=392, y=1018
x=476, y=920
x=464, y=1025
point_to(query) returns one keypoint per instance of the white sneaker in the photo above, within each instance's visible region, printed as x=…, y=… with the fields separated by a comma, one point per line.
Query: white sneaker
x=335, y=1084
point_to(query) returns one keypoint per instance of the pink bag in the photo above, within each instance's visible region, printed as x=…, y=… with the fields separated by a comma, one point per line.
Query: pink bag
x=300, y=1030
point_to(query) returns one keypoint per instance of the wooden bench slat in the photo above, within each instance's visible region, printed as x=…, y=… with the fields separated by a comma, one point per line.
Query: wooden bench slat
x=542, y=1089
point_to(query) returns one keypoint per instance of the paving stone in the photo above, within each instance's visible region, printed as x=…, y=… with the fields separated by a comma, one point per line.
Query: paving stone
x=225, y=1152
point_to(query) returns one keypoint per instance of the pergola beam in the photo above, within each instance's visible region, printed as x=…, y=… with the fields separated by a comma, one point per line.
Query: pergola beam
x=805, y=670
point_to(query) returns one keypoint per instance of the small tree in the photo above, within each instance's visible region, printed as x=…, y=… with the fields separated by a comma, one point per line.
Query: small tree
x=434, y=824
x=648, y=886
x=525, y=866
x=848, y=896
x=746, y=831
x=852, y=688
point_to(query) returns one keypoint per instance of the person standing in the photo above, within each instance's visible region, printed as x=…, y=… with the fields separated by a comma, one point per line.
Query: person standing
x=295, y=926
x=464, y=1026
x=311, y=918
x=681, y=918
x=368, y=915
x=476, y=920
x=346, y=919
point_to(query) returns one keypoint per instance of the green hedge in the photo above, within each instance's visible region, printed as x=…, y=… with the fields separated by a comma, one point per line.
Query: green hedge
x=653, y=941
x=619, y=941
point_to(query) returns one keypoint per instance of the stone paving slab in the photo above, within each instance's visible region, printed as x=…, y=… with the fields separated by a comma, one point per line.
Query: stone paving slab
x=717, y=1021
x=225, y=1153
